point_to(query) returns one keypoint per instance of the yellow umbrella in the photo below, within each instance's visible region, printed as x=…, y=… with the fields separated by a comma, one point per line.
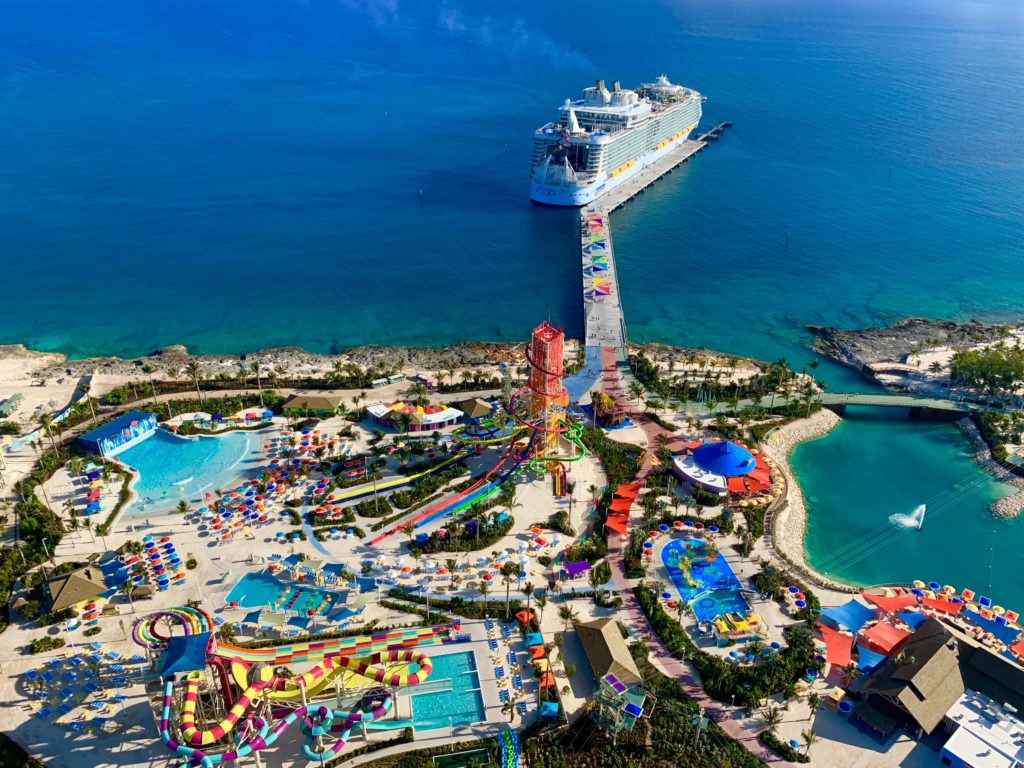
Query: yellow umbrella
x=998, y=610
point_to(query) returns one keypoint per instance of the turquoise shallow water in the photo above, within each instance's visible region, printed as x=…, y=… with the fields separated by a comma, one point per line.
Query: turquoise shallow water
x=232, y=175
x=461, y=705
x=172, y=468
x=877, y=463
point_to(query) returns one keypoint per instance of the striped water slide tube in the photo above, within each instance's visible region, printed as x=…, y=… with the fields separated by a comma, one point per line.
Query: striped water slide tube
x=318, y=721
x=345, y=646
x=193, y=620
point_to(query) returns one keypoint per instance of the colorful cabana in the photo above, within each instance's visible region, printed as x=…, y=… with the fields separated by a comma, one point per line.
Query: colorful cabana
x=838, y=646
x=885, y=637
x=853, y=615
x=536, y=652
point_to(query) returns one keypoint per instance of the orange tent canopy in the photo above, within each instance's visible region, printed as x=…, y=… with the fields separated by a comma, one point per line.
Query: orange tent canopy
x=891, y=604
x=736, y=485
x=547, y=680
x=524, y=616
x=838, y=646
x=536, y=652
x=885, y=636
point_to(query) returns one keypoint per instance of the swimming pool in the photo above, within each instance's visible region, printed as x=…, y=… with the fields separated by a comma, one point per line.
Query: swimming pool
x=712, y=588
x=459, y=703
x=261, y=590
x=173, y=468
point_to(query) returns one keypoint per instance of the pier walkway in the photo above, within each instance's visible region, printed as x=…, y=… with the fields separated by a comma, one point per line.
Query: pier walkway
x=603, y=319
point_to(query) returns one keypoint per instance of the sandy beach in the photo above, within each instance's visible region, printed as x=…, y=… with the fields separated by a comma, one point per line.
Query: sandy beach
x=790, y=522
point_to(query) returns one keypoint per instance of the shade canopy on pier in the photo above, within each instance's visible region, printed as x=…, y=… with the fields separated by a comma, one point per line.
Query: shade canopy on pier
x=853, y=615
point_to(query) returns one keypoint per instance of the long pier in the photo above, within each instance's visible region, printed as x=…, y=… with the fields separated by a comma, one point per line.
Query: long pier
x=603, y=317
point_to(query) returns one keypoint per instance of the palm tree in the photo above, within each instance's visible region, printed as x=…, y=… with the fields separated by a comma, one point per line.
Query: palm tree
x=409, y=529
x=528, y=588
x=636, y=390
x=509, y=708
x=772, y=717
x=542, y=602
x=809, y=737
x=75, y=465
x=485, y=587
x=255, y=368
x=851, y=673
x=47, y=421
x=192, y=368
x=509, y=571
x=183, y=507
x=126, y=590
x=813, y=702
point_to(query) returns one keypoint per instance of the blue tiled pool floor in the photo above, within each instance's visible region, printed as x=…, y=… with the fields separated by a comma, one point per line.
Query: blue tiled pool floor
x=459, y=704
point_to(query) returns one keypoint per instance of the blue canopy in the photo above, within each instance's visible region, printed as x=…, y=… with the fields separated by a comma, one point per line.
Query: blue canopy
x=912, y=619
x=185, y=653
x=549, y=709
x=1002, y=632
x=852, y=615
x=868, y=659
x=725, y=458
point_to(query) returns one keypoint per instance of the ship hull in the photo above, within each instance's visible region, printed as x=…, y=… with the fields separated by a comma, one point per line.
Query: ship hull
x=576, y=196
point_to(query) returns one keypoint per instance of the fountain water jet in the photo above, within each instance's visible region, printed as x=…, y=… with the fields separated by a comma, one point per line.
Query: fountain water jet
x=914, y=520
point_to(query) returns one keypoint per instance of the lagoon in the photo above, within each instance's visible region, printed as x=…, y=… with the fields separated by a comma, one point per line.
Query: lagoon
x=877, y=463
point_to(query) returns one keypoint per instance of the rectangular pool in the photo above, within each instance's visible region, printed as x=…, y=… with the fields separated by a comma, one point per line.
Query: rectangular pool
x=459, y=704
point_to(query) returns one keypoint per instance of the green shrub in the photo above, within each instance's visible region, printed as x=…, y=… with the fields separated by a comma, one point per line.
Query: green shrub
x=781, y=748
x=91, y=632
x=45, y=644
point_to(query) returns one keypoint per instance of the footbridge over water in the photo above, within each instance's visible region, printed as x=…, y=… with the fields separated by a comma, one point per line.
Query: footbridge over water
x=920, y=407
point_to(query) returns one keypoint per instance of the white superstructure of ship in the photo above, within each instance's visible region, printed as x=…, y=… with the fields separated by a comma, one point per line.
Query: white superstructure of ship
x=606, y=137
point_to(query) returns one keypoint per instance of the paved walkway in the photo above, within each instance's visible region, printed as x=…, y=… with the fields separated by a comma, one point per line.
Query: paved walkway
x=743, y=731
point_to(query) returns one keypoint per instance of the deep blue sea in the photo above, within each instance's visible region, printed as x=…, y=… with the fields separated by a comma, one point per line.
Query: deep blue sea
x=233, y=174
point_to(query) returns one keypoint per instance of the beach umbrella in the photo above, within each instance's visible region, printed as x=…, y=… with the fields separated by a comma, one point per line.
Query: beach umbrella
x=713, y=529
x=800, y=604
x=793, y=589
x=678, y=525
x=648, y=545
x=666, y=595
x=663, y=528
x=934, y=585
x=688, y=524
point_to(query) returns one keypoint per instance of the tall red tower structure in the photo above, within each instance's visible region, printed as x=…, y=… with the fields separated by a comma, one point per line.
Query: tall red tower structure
x=548, y=397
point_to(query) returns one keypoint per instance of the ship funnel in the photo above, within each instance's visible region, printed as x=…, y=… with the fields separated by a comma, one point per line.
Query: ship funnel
x=600, y=85
x=615, y=87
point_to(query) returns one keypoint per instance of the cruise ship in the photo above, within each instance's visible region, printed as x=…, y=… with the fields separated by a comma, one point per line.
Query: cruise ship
x=607, y=136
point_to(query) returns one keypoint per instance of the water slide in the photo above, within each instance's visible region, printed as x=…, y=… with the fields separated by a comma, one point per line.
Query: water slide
x=474, y=493
x=508, y=744
x=370, y=662
x=391, y=484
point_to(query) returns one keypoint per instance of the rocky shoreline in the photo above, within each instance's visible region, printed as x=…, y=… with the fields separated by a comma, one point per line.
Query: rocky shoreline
x=1007, y=507
x=862, y=348
x=169, y=363
x=790, y=523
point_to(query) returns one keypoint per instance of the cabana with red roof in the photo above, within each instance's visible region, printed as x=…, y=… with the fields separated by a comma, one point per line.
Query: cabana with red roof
x=891, y=604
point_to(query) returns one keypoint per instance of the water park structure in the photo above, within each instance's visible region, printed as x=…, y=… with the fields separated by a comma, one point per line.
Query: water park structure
x=538, y=412
x=222, y=703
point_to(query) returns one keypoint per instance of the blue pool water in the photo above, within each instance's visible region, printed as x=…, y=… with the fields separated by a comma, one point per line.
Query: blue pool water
x=715, y=589
x=462, y=704
x=173, y=468
x=261, y=590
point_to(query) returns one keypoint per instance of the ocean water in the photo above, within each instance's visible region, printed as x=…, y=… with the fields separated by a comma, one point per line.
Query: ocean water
x=877, y=463
x=232, y=175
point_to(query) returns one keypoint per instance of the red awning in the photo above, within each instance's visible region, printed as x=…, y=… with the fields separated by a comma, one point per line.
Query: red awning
x=838, y=646
x=942, y=605
x=891, y=604
x=885, y=636
x=736, y=485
